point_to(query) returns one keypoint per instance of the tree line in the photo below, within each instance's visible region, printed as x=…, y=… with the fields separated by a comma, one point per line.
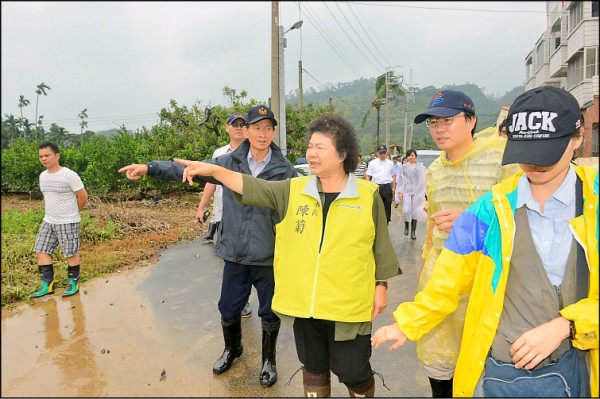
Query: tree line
x=189, y=133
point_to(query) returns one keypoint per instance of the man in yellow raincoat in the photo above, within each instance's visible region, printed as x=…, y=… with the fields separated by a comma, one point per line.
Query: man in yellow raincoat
x=465, y=170
x=527, y=252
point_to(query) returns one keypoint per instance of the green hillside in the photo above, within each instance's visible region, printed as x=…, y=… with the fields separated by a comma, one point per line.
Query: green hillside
x=354, y=99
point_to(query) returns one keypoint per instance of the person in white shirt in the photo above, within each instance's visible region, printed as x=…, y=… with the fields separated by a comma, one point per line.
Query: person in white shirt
x=381, y=171
x=64, y=199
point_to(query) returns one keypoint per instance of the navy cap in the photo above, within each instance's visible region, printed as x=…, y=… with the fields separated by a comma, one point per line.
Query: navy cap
x=539, y=125
x=258, y=113
x=447, y=103
x=234, y=116
x=381, y=149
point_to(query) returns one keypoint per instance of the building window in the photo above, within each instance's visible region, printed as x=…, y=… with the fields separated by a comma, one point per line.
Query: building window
x=591, y=66
x=528, y=69
x=575, y=14
x=575, y=70
x=594, y=9
x=556, y=35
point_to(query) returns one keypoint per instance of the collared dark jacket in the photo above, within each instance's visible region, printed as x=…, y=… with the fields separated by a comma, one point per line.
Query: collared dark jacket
x=247, y=233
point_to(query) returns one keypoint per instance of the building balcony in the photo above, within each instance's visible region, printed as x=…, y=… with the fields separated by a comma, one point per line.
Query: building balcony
x=558, y=62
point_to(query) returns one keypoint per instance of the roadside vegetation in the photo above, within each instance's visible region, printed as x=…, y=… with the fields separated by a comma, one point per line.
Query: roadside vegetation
x=126, y=223
x=115, y=236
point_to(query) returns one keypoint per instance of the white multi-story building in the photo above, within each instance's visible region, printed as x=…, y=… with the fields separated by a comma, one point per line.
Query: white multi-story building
x=566, y=56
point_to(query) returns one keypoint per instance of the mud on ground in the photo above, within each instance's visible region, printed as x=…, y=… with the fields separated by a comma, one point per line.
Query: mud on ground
x=148, y=226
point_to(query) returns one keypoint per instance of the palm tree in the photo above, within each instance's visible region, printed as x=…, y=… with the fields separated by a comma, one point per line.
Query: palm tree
x=376, y=103
x=41, y=89
x=23, y=102
x=82, y=115
x=380, y=98
x=57, y=134
x=26, y=126
x=13, y=130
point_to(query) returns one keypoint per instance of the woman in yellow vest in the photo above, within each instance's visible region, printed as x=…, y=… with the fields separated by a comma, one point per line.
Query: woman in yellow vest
x=330, y=285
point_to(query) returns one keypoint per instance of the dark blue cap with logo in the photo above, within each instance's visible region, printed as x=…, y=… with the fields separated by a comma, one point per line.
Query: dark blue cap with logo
x=235, y=116
x=447, y=103
x=381, y=149
x=258, y=113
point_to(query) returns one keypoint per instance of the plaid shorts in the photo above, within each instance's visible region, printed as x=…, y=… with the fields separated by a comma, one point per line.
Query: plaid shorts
x=51, y=235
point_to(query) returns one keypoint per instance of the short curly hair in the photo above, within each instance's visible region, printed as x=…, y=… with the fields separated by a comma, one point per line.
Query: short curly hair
x=342, y=134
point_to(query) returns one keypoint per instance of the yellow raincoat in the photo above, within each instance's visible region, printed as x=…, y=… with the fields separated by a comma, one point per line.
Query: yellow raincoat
x=476, y=260
x=455, y=185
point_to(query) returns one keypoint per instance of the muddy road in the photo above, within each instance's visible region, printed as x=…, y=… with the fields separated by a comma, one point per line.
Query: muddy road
x=118, y=335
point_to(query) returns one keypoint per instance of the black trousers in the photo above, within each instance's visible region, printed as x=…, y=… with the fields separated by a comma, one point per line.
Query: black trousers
x=237, y=282
x=319, y=352
x=385, y=191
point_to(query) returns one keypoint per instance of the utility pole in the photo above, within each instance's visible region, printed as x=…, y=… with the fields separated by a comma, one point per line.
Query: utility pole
x=410, y=90
x=281, y=120
x=387, y=107
x=389, y=80
x=300, y=92
x=275, y=64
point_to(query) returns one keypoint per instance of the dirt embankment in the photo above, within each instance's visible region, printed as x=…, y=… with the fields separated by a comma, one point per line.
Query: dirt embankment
x=148, y=226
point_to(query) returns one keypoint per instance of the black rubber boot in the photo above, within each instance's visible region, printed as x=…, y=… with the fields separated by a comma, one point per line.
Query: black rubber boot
x=213, y=239
x=316, y=385
x=441, y=388
x=268, y=373
x=232, y=335
x=413, y=229
x=366, y=391
x=212, y=228
x=405, y=228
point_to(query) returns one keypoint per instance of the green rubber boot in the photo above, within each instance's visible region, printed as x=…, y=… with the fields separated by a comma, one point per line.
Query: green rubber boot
x=72, y=289
x=47, y=288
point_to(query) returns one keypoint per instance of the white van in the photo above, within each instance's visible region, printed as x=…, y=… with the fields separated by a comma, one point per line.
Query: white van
x=426, y=157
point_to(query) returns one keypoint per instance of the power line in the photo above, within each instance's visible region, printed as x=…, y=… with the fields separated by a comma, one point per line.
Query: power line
x=367, y=34
x=349, y=38
x=328, y=89
x=359, y=37
x=331, y=42
x=389, y=4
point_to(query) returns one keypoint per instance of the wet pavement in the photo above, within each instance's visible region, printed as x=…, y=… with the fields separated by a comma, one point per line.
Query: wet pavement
x=155, y=332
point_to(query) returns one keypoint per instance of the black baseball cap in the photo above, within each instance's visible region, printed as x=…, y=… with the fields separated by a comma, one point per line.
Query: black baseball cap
x=447, y=103
x=258, y=113
x=381, y=149
x=234, y=116
x=539, y=124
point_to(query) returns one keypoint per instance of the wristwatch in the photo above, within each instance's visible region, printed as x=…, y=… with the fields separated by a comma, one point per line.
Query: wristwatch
x=381, y=282
x=572, y=330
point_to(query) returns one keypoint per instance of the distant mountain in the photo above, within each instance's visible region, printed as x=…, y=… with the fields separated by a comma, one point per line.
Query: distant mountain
x=109, y=133
x=353, y=100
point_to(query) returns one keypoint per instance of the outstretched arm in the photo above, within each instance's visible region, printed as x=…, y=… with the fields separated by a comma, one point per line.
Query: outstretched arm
x=134, y=171
x=232, y=180
x=388, y=333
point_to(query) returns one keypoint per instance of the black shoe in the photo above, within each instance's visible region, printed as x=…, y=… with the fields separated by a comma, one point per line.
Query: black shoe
x=413, y=229
x=247, y=311
x=396, y=206
x=232, y=335
x=405, y=228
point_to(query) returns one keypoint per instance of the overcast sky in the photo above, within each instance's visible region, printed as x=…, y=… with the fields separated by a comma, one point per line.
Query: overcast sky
x=124, y=61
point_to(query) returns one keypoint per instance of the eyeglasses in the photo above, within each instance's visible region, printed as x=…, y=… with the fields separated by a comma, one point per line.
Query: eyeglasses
x=440, y=121
x=238, y=124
